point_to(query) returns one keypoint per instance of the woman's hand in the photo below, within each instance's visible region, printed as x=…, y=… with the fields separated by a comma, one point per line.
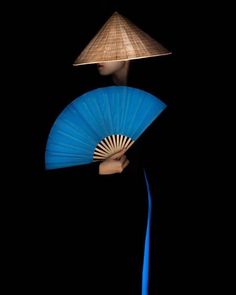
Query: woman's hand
x=114, y=164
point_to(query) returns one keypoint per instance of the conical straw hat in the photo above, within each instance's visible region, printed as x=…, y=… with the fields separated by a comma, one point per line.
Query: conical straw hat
x=119, y=39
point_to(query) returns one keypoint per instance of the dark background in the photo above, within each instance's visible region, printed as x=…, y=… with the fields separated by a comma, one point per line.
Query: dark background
x=49, y=38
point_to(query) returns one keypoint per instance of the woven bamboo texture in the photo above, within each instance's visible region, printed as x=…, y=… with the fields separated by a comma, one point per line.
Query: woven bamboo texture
x=119, y=39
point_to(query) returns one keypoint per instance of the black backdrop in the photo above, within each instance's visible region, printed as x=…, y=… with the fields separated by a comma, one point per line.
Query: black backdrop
x=50, y=38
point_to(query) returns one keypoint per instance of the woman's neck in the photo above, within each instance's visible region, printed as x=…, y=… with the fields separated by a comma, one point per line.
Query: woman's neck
x=121, y=77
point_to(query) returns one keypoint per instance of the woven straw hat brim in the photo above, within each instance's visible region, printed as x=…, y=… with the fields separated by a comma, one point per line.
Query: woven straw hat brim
x=102, y=61
x=119, y=40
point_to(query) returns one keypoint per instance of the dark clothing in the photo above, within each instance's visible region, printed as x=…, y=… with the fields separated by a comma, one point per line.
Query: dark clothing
x=90, y=230
x=96, y=229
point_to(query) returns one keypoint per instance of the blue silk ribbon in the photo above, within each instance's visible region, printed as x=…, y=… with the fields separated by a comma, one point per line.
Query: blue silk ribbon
x=146, y=258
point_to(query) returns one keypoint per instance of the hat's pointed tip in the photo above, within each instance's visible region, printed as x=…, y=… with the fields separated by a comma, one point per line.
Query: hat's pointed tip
x=116, y=13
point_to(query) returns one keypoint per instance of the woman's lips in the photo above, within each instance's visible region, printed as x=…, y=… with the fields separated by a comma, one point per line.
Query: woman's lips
x=99, y=65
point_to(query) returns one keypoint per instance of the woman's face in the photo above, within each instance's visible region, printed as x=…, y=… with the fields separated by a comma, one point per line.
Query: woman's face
x=109, y=68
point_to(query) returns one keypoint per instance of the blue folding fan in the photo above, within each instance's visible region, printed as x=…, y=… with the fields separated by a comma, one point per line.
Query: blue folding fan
x=98, y=124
